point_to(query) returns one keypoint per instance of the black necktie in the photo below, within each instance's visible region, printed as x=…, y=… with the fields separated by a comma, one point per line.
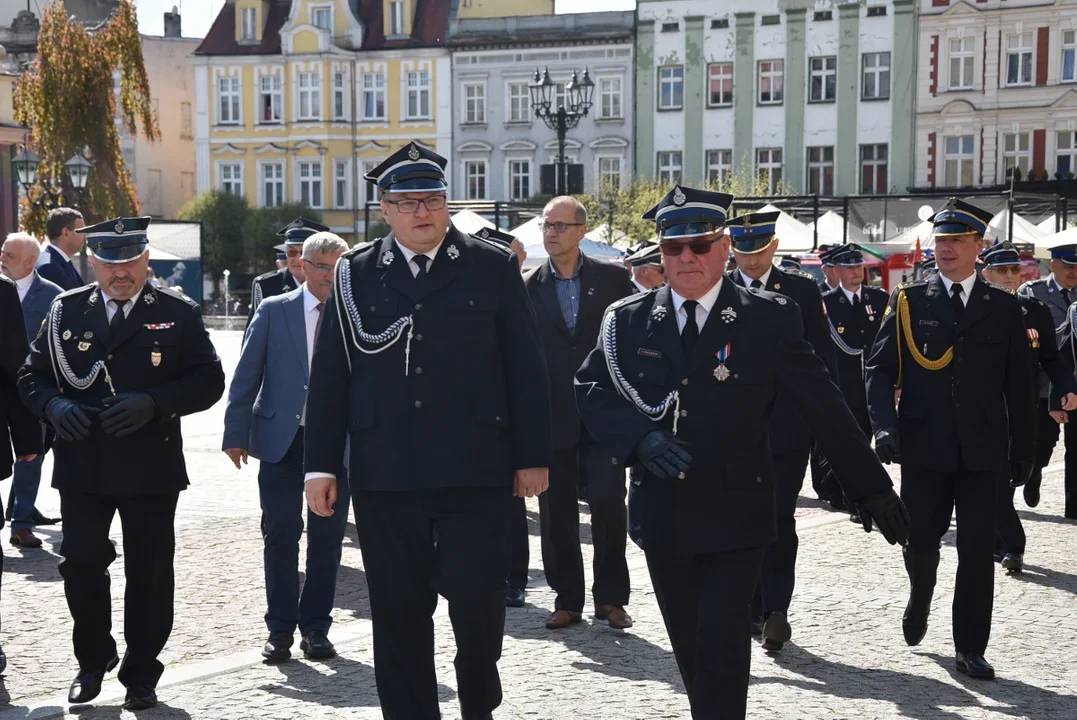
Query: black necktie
x=856, y=300
x=116, y=322
x=1065, y=294
x=421, y=261
x=691, y=331
x=955, y=299
x=756, y=285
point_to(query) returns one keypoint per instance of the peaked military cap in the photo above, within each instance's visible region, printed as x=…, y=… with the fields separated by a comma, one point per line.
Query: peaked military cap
x=648, y=255
x=959, y=218
x=826, y=254
x=754, y=232
x=117, y=240
x=298, y=230
x=686, y=212
x=412, y=168
x=790, y=262
x=849, y=255
x=1001, y=253
x=495, y=236
x=1066, y=253
x=281, y=251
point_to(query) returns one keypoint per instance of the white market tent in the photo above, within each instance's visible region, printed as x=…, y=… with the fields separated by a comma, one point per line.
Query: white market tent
x=158, y=254
x=618, y=238
x=793, y=235
x=1066, y=237
x=531, y=237
x=908, y=237
x=1023, y=230
x=831, y=230
x=469, y=222
x=1047, y=226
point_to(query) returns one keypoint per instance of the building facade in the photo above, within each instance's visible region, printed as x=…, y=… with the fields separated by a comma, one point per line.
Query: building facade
x=11, y=136
x=997, y=91
x=499, y=143
x=817, y=95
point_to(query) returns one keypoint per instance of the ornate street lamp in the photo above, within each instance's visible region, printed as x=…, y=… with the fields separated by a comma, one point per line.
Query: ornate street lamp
x=77, y=169
x=561, y=119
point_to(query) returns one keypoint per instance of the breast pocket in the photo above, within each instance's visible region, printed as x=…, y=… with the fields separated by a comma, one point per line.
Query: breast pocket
x=160, y=348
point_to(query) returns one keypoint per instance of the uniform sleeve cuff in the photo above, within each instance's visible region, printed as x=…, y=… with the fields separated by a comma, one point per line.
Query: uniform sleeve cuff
x=315, y=475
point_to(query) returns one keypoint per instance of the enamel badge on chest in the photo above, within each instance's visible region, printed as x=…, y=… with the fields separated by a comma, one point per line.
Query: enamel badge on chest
x=722, y=372
x=155, y=358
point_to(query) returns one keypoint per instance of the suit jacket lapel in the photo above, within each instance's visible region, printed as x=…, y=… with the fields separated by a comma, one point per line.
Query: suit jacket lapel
x=96, y=318
x=662, y=327
x=1054, y=295
x=449, y=263
x=395, y=271
x=938, y=301
x=978, y=306
x=547, y=294
x=716, y=331
x=587, y=302
x=295, y=317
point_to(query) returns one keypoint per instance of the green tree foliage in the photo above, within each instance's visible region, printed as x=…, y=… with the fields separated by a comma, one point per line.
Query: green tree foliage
x=67, y=100
x=223, y=216
x=260, y=233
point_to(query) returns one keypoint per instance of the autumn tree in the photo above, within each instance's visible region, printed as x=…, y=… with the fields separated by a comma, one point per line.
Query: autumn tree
x=67, y=100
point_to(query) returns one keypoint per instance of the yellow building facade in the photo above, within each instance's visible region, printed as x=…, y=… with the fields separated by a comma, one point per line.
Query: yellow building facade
x=11, y=136
x=502, y=8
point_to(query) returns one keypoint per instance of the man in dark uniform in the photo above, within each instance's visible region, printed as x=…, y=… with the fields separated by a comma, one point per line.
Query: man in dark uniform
x=830, y=270
x=430, y=362
x=114, y=368
x=1002, y=266
x=286, y=279
x=957, y=349
x=683, y=382
x=280, y=253
x=1056, y=291
x=645, y=268
x=754, y=245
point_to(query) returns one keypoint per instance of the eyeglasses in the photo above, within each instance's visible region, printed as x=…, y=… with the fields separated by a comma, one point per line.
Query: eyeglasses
x=698, y=247
x=320, y=267
x=557, y=227
x=434, y=202
x=1007, y=270
x=294, y=252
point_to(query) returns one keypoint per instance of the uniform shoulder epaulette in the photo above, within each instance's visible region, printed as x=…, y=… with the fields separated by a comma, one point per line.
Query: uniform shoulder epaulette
x=266, y=275
x=1030, y=283
x=911, y=284
x=768, y=295
x=806, y=275
x=490, y=243
x=359, y=248
x=76, y=291
x=631, y=299
x=1031, y=300
x=169, y=292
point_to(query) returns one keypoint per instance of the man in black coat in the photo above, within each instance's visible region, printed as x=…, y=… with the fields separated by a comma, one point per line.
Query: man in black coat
x=288, y=278
x=957, y=349
x=114, y=368
x=683, y=382
x=570, y=293
x=20, y=429
x=429, y=361
x=754, y=246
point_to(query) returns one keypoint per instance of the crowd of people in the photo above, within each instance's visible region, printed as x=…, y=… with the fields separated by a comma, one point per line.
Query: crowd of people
x=423, y=381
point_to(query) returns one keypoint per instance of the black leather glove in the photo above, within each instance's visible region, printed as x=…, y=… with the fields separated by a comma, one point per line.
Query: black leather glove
x=887, y=446
x=1020, y=473
x=889, y=513
x=126, y=413
x=71, y=420
x=664, y=455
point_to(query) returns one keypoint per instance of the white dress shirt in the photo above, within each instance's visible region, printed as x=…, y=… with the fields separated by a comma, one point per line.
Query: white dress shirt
x=748, y=281
x=408, y=255
x=24, y=285
x=310, y=321
x=127, y=306
x=850, y=295
x=966, y=285
x=703, y=309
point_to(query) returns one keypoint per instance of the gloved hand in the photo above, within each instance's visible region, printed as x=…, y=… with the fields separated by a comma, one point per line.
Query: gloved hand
x=889, y=513
x=71, y=420
x=887, y=446
x=664, y=455
x=1020, y=473
x=126, y=413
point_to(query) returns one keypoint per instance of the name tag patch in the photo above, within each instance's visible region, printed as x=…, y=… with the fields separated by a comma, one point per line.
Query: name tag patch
x=646, y=352
x=930, y=323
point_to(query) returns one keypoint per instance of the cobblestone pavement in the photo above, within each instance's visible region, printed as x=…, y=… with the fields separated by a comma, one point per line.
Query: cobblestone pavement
x=847, y=659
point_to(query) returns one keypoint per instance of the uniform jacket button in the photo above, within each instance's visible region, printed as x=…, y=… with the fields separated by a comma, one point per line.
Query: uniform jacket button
x=758, y=479
x=684, y=413
x=109, y=357
x=297, y=417
x=419, y=337
x=641, y=374
x=418, y=371
x=684, y=381
x=616, y=461
x=497, y=418
x=304, y=387
x=418, y=306
x=418, y=403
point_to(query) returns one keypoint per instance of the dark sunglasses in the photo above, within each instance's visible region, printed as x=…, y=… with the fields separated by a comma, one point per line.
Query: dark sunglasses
x=698, y=247
x=1007, y=269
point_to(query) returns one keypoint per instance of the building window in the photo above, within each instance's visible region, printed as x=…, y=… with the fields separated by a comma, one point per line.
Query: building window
x=1019, y=59
x=768, y=164
x=720, y=24
x=671, y=27
x=1016, y=153
x=560, y=94
x=1069, y=49
x=771, y=82
x=340, y=97
x=371, y=189
x=310, y=95
x=373, y=96
x=249, y=20
x=1066, y=159
x=519, y=103
x=877, y=11
x=822, y=15
x=770, y=20
x=962, y=61
x=519, y=179
x=720, y=85
x=396, y=18
x=186, y=128
x=418, y=95
x=873, y=167
x=876, y=77
x=475, y=178
x=474, y=103
x=671, y=88
x=228, y=91
x=272, y=184
x=821, y=170
x=322, y=18
x=310, y=184
x=609, y=173
x=340, y=184
x=609, y=93
x=958, y=158
x=719, y=166
x=824, y=79
x=669, y=168
x=231, y=178
x=271, y=97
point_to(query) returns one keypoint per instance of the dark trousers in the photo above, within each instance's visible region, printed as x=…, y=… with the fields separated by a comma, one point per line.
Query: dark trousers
x=705, y=602
x=931, y=498
x=417, y=545
x=519, y=544
x=778, y=575
x=280, y=492
x=559, y=525
x=149, y=544
x=1010, y=535
x=1047, y=432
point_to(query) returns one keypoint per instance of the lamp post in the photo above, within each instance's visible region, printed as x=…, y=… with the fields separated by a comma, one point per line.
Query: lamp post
x=77, y=169
x=227, y=306
x=561, y=117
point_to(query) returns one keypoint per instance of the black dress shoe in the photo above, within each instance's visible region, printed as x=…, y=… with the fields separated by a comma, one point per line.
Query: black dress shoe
x=87, y=684
x=515, y=597
x=1014, y=562
x=776, y=632
x=278, y=647
x=38, y=519
x=316, y=646
x=1032, y=488
x=140, y=697
x=975, y=666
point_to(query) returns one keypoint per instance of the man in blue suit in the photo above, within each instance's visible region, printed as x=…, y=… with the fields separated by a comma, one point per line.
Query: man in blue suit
x=265, y=418
x=64, y=243
x=18, y=256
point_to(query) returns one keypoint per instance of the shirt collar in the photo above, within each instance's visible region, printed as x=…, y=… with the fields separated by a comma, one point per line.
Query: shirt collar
x=849, y=295
x=748, y=281
x=27, y=281
x=62, y=253
x=409, y=254
x=309, y=301
x=553, y=269
x=966, y=284
x=707, y=301
x=106, y=297
x=1058, y=285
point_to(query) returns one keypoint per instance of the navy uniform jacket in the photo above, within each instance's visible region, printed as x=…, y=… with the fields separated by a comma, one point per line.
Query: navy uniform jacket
x=726, y=501
x=1046, y=290
x=464, y=402
x=965, y=415
x=856, y=329
x=788, y=431
x=1043, y=343
x=162, y=349
x=18, y=426
x=270, y=284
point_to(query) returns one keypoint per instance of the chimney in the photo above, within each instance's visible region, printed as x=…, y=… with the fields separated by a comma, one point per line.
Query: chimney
x=173, y=23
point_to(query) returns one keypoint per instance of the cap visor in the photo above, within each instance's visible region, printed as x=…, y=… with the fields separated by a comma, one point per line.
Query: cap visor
x=953, y=228
x=750, y=246
x=417, y=185
x=690, y=230
x=123, y=254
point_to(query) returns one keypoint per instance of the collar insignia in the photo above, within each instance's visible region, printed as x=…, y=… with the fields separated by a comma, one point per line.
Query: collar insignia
x=452, y=252
x=659, y=313
x=387, y=258
x=728, y=315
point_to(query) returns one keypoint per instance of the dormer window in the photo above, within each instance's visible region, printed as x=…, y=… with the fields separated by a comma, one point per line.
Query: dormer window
x=396, y=17
x=249, y=15
x=322, y=18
